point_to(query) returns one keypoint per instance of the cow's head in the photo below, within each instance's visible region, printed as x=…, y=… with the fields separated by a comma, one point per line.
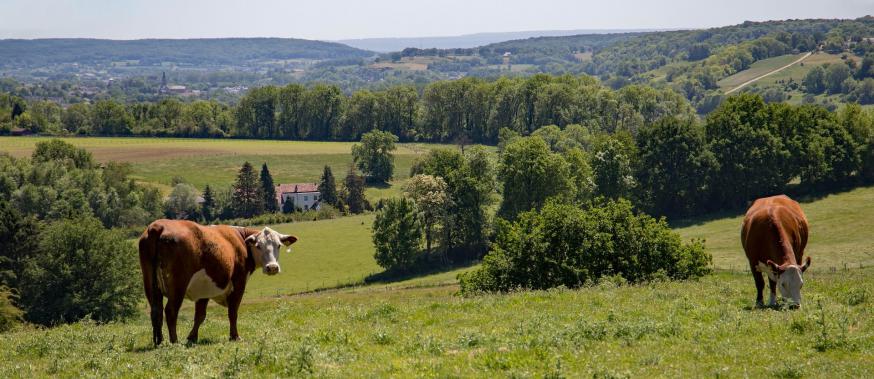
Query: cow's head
x=788, y=278
x=265, y=246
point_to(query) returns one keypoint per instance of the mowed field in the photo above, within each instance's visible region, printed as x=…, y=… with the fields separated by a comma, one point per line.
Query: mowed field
x=156, y=161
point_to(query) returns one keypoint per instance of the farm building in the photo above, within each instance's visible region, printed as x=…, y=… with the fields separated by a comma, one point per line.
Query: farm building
x=303, y=196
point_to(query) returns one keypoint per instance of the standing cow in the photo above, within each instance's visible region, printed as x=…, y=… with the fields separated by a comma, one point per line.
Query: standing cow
x=182, y=259
x=774, y=235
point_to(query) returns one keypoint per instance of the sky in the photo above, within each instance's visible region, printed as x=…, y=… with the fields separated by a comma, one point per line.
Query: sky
x=347, y=19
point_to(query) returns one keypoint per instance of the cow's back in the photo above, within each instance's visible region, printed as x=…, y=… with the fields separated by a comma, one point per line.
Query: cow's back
x=182, y=248
x=772, y=227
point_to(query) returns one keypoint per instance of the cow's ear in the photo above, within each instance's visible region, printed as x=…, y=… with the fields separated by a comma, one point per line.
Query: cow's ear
x=806, y=264
x=250, y=240
x=288, y=240
x=774, y=267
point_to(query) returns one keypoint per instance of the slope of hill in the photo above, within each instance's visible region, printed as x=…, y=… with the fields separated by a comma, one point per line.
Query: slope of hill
x=208, y=52
x=385, y=45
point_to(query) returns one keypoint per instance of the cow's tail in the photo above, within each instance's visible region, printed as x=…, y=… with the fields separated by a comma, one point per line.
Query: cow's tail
x=150, y=264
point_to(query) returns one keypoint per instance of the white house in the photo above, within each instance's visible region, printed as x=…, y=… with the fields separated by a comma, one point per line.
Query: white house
x=304, y=196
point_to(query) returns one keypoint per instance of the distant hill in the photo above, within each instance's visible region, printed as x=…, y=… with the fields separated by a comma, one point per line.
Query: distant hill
x=384, y=45
x=199, y=52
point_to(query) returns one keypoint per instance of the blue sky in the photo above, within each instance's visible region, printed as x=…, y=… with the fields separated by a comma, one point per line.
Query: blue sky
x=341, y=19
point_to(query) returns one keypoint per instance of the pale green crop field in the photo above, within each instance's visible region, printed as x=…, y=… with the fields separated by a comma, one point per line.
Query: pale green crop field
x=757, y=69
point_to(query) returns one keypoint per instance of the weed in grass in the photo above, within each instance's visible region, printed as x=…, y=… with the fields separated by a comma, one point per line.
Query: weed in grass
x=233, y=368
x=382, y=338
x=470, y=339
x=788, y=371
x=303, y=360
x=826, y=339
x=857, y=296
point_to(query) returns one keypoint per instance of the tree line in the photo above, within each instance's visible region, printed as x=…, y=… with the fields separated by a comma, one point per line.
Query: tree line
x=468, y=109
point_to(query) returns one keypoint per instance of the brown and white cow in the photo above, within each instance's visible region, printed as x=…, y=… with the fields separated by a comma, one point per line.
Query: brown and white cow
x=182, y=259
x=774, y=235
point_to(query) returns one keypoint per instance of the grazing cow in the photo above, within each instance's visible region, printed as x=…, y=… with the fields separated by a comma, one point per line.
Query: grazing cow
x=774, y=235
x=182, y=259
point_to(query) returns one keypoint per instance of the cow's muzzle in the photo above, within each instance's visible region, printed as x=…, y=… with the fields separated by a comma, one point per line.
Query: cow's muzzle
x=271, y=269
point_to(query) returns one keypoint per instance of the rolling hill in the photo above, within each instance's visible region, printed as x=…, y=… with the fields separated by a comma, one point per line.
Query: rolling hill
x=206, y=52
x=385, y=45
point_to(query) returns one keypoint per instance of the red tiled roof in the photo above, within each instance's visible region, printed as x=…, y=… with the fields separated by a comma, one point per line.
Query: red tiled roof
x=297, y=188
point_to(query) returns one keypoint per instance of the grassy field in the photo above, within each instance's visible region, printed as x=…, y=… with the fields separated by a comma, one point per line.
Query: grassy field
x=838, y=225
x=757, y=69
x=693, y=329
x=328, y=253
x=215, y=162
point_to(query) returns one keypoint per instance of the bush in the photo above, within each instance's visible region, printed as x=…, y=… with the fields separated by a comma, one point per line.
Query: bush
x=9, y=314
x=80, y=270
x=563, y=245
x=397, y=235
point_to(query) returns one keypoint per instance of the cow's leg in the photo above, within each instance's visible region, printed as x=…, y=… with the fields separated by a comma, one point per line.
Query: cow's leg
x=760, y=285
x=199, y=316
x=171, y=312
x=234, y=298
x=772, y=300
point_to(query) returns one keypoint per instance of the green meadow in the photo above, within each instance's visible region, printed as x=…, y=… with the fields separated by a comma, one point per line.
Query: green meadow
x=704, y=328
x=322, y=317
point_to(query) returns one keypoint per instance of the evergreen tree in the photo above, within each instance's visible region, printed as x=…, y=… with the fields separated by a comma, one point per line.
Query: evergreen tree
x=288, y=206
x=353, y=192
x=328, y=187
x=208, y=207
x=268, y=190
x=247, y=199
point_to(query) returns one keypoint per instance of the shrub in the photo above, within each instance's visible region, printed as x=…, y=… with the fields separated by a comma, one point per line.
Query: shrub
x=397, y=235
x=80, y=270
x=10, y=315
x=563, y=245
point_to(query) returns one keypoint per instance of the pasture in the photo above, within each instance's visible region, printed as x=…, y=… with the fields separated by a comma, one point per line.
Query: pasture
x=838, y=238
x=156, y=161
x=319, y=318
x=678, y=329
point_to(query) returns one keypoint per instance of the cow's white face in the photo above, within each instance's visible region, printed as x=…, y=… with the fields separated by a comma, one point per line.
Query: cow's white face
x=265, y=247
x=789, y=280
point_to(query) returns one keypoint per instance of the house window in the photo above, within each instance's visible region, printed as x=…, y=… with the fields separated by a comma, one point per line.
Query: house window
x=306, y=198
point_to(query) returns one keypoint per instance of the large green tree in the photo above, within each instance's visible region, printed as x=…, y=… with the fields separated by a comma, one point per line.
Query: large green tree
x=531, y=173
x=751, y=155
x=373, y=156
x=397, y=235
x=674, y=166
